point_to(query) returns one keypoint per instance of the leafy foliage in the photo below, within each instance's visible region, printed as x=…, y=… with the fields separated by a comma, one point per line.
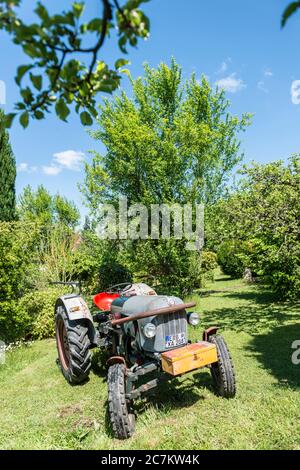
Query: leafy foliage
x=289, y=11
x=57, y=73
x=38, y=309
x=260, y=226
x=173, y=141
x=7, y=176
x=17, y=241
x=41, y=207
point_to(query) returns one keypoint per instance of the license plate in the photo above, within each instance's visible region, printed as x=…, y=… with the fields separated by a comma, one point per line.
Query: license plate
x=175, y=340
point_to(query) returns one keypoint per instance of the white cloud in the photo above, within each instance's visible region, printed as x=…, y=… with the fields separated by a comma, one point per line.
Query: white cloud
x=268, y=73
x=52, y=170
x=262, y=86
x=232, y=84
x=295, y=92
x=224, y=66
x=26, y=168
x=69, y=159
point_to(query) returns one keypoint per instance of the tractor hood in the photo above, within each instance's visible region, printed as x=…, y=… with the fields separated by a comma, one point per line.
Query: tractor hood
x=171, y=328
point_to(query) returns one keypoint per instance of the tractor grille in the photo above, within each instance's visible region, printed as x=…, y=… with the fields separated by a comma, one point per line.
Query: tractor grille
x=169, y=324
x=174, y=323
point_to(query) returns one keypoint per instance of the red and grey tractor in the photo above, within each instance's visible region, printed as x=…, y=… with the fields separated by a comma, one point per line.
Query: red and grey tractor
x=144, y=333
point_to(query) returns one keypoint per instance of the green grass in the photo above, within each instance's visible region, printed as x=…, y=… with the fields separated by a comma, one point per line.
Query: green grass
x=39, y=410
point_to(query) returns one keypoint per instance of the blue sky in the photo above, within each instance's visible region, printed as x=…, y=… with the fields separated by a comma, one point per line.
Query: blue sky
x=236, y=43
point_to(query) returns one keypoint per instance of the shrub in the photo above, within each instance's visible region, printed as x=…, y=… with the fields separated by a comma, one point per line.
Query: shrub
x=14, y=323
x=17, y=259
x=209, y=263
x=230, y=259
x=38, y=309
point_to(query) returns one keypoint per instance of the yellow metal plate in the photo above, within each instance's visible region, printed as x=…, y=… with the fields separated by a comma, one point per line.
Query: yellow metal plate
x=190, y=357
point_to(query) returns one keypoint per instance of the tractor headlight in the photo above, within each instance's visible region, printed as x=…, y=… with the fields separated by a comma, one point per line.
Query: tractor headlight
x=149, y=330
x=193, y=318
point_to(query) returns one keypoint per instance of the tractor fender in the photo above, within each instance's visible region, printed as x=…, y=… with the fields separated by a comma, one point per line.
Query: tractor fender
x=209, y=332
x=77, y=309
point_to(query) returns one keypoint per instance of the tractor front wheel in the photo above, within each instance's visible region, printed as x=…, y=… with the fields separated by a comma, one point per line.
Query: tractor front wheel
x=120, y=409
x=73, y=346
x=223, y=371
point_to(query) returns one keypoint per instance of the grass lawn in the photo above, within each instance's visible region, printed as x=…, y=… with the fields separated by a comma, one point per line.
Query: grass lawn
x=39, y=410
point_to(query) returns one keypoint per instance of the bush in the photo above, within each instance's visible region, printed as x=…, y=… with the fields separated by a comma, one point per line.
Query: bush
x=38, y=309
x=14, y=323
x=209, y=263
x=17, y=260
x=230, y=259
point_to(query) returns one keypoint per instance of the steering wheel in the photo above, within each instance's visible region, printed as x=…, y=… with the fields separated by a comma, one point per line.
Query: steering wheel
x=118, y=288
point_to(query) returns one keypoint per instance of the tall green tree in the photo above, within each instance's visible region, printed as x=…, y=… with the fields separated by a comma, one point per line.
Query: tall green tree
x=45, y=209
x=7, y=176
x=172, y=140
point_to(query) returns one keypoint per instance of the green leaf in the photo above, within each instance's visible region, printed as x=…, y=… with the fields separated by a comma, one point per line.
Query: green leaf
x=24, y=119
x=31, y=50
x=126, y=72
x=8, y=120
x=37, y=81
x=95, y=25
x=122, y=43
x=21, y=72
x=78, y=8
x=62, y=109
x=288, y=12
x=121, y=62
x=42, y=12
x=39, y=114
x=86, y=118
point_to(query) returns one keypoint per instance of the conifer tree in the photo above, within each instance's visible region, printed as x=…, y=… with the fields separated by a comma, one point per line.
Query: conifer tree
x=7, y=176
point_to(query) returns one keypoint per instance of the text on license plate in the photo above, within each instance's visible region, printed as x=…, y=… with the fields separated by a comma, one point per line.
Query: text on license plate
x=175, y=340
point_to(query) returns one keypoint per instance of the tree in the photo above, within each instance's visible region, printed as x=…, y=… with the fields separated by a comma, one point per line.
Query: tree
x=259, y=226
x=41, y=207
x=172, y=142
x=64, y=68
x=7, y=176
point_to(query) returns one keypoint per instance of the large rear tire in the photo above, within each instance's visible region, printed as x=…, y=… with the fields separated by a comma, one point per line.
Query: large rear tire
x=73, y=346
x=120, y=409
x=222, y=372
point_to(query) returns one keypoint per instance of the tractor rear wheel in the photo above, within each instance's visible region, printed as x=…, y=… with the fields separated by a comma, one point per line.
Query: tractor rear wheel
x=120, y=409
x=223, y=371
x=73, y=346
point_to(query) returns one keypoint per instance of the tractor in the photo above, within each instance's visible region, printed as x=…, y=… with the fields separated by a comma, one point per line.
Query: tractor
x=143, y=333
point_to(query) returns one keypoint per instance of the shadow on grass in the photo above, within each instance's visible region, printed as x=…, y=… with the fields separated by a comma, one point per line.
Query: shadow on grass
x=176, y=393
x=255, y=317
x=169, y=395
x=274, y=351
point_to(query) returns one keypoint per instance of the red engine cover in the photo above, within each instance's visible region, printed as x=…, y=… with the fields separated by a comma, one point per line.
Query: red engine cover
x=103, y=300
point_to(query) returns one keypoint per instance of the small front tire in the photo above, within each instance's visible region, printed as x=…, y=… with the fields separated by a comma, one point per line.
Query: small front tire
x=222, y=372
x=120, y=410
